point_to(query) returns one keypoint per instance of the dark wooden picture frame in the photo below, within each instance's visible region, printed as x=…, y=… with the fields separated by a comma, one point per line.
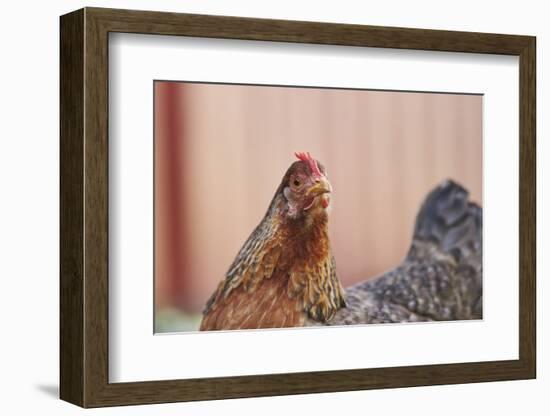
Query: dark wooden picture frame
x=84, y=207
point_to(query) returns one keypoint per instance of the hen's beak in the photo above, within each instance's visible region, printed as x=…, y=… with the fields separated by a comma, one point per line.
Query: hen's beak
x=322, y=186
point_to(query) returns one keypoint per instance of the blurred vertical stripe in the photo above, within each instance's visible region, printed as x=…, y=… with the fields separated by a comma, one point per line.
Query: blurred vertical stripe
x=170, y=233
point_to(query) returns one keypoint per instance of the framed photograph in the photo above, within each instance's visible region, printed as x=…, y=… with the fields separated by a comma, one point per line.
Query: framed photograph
x=255, y=207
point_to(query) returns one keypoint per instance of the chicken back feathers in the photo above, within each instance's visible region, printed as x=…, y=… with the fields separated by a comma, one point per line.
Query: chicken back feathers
x=441, y=277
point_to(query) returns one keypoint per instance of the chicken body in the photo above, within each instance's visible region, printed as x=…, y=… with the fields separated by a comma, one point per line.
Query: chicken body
x=285, y=273
x=441, y=276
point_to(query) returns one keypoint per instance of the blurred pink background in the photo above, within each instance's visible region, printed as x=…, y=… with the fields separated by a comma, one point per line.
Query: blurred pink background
x=221, y=151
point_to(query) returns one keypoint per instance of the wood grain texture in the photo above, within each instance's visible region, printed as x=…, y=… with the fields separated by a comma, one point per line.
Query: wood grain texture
x=527, y=208
x=71, y=214
x=84, y=207
x=96, y=185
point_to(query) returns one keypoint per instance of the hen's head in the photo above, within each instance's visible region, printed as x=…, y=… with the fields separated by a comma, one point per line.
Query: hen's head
x=305, y=188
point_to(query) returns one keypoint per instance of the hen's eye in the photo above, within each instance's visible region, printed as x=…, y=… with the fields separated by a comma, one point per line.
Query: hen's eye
x=296, y=182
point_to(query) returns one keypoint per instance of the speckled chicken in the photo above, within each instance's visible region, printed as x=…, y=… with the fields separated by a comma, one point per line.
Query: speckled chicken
x=441, y=277
x=285, y=273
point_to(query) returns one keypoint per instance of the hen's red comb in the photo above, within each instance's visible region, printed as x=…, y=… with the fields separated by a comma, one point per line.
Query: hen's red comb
x=306, y=157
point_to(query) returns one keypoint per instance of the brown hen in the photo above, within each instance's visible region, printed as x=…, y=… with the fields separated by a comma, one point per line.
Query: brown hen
x=285, y=272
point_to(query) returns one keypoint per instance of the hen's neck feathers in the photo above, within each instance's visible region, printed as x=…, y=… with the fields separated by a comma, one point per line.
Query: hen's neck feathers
x=306, y=258
x=294, y=250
